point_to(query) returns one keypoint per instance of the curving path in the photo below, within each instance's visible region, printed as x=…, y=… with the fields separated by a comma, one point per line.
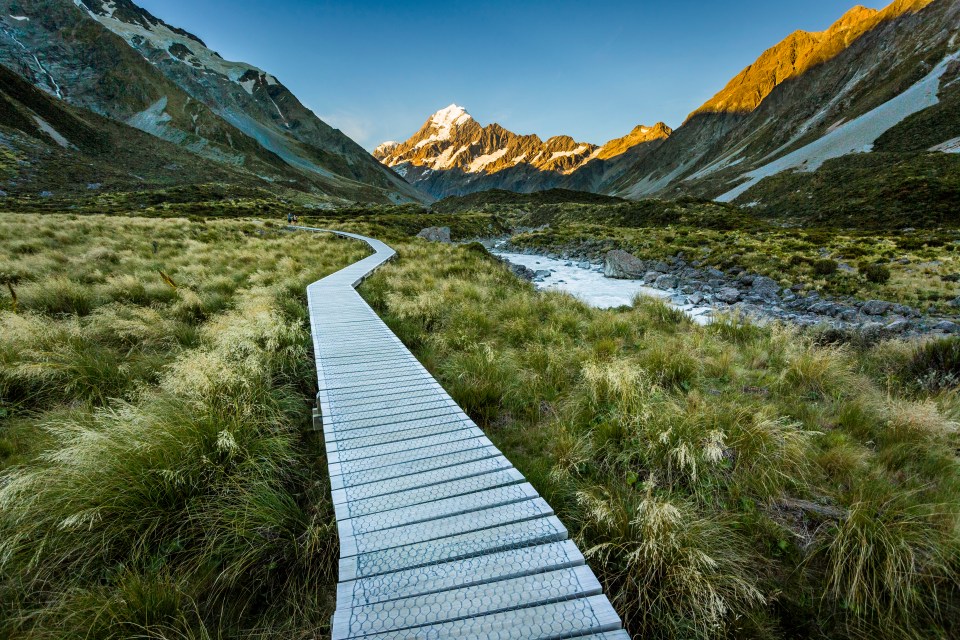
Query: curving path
x=440, y=537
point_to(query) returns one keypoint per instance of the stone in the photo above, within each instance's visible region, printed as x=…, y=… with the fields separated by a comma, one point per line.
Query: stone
x=953, y=303
x=620, y=264
x=651, y=276
x=898, y=326
x=46, y=194
x=666, y=281
x=541, y=273
x=947, y=326
x=436, y=234
x=727, y=294
x=747, y=279
x=765, y=287
x=584, y=264
x=875, y=307
x=695, y=298
x=660, y=267
x=3, y=194
x=714, y=273
x=521, y=271
x=93, y=186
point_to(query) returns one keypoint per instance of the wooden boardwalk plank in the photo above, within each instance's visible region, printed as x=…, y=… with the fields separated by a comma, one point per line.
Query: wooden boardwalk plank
x=440, y=537
x=466, y=602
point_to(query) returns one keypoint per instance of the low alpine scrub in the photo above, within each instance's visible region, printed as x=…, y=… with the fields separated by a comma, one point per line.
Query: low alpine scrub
x=724, y=481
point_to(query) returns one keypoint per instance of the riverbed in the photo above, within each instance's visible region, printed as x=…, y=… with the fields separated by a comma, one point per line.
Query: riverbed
x=591, y=286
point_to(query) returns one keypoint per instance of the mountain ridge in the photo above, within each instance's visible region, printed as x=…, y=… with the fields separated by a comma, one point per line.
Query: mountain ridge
x=118, y=60
x=453, y=154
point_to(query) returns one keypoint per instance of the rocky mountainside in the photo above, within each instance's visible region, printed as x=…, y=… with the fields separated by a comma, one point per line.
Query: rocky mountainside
x=119, y=61
x=811, y=98
x=452, y=154
x=50, y=149
x=786, y=135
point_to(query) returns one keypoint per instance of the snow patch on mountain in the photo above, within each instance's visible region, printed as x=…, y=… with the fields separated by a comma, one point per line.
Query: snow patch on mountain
x=53, y=133
x=950, y=146
x=855, y=136
x=160, y=36
x=488, y=158
x=387, y=146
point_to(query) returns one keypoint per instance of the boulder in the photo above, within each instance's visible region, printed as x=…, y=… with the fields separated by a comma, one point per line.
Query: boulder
x=727, y=294
x=436, y=234
x=765, y=287
x=875, y=307
x=898, y=326
x=620, y=264
x=660, y=267
x=584, y=264
x=521, y=271
x=695, y=298
x=947, y=326
x=651, y=276
x=666, y=281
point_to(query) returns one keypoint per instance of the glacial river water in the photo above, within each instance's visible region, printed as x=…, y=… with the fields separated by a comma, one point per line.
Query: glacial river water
x=591, y=286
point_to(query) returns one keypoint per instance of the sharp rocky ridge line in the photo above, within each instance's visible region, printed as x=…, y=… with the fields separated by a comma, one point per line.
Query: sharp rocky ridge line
x=453, y=154
x=809, y=87
x=118, y=60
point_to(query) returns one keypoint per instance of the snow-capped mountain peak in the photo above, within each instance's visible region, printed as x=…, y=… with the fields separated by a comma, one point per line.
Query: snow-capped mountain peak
x=453, y=153
x=449, y=117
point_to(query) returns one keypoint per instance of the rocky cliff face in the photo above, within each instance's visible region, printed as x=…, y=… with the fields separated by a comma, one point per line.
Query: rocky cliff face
x=452, y=154
x=827, y=94
x=116, y=59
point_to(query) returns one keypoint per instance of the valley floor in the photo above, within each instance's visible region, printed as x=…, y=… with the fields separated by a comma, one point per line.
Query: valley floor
x=728, y=480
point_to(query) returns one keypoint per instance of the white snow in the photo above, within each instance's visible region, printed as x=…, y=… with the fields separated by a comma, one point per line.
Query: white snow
x=162, y=37
x=53, y=133
x=20, y=18
x=519, y=159
x=855, y=136
x=565, y=154
x=449, y=117
x=950, y=146
x=384, y=147
x=482, y=161
x=248, y=85
x=591, y=286
x=443, y=122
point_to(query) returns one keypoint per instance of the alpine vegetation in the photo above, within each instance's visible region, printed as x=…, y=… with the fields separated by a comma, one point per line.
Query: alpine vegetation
x=156, y=479
x=731, y=480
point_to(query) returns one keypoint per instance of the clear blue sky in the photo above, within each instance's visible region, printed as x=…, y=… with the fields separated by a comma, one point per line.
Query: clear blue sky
x=592, y=69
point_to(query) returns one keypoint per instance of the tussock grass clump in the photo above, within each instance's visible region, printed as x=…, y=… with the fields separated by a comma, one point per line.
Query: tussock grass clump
x=725, y=481
x=935, y=364
x=156, y=481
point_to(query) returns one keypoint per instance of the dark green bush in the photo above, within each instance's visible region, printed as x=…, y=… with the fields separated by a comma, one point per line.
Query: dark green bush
x=825, y=267
x=878, y=273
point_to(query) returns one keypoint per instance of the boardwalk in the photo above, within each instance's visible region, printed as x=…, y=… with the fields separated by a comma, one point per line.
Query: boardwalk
x=440, y=537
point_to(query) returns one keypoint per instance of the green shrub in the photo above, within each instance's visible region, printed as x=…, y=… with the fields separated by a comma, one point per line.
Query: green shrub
x=877, y=273
x=825, y=267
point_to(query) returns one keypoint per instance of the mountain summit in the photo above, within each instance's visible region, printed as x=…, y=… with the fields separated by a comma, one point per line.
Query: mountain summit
x=453, y=154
